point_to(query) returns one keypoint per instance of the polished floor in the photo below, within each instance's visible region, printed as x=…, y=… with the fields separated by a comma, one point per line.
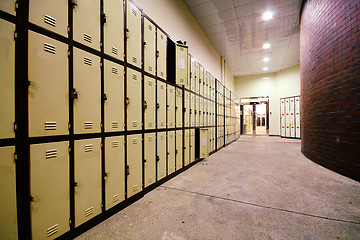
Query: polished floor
x=255, y=188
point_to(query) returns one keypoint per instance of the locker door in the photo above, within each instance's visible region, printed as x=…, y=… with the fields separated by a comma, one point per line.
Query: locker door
x=201, y=81
x=161, y=155
x=8, y=217
x=292, y=117
x=193, y=74
x=287, y=117
x=87, y=99
x=171, y=152
x=133, y=99
x=49, y=180
x=114, y=28
x=201, y=111
x=161, y=105
x=179, y=108
x=161, y=54
x=188, y=85
x=197, y=111
x=179, y=148
x=197, y=77
x=150, y=167
x=8, y=6
x=206, y=113
x=114, y=96
x=187, y=147
x=170, y=106
x=182, y=54
x=114, y=171
x=149, y=46
x=7, y=71
x=282, y=117
x=149, y=103
x=187, y=109
x=133, y=34
x=52, y=15
x=192, y=145
x=297, y=117
x=87, y=179
x=134, y=164
x=86, y=26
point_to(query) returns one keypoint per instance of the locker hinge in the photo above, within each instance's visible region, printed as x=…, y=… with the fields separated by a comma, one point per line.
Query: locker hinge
x=68, y=29
x=15, y=35
x=69, y=221
x=127, y=170
x=15, y=157
x=68, y=53
x=102, y=145
x=16, y=5
x=69, y=149
x=102, y=205
x=69, y=126
x=15, y=126
x=101, y=125
x=100, y=62
x=157, y=158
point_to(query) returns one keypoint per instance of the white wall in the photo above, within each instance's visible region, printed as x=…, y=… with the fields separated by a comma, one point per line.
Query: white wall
x=284, y=83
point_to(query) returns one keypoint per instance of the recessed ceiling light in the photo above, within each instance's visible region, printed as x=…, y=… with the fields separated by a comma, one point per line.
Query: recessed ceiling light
x=265, y=78
x=267, y=15
x=265, y=68
x=266, y=59
x=266, y=45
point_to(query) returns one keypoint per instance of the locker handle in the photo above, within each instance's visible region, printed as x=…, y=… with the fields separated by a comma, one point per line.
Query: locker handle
x=76, y=184
x=106, y=175
x=144, y=105
x=157, y=158
x=157, y=105
x=103, y=18
x=184, y=109
x=127, y=101
x=74, y=94
x=176, y=108
x=33, y=199
x=73, y=3
x=105, y=97
x=144, y=43
x=127, y=33
x=144, y=160
x=157, y=53
x=176, y=151
x=127, y=170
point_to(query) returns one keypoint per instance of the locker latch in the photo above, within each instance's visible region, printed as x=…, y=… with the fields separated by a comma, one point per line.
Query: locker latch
x=106, y=176
x=184, y=109
x=127, y=33
x=74, y=94
x=76, y=184
x=176, y=108
x=103, y=18
x=157, y=105
x=127, y=101
x=73, y=3
x=176, y=151
x=144, y=160
x=144, y=44
x=127, y=170
x=190, y=111
x=144, y=105
x=157, y=53
x=105, y=97
x=157, y=158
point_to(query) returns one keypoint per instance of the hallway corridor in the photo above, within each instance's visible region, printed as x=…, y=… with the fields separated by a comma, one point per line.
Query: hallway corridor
x=255, y=188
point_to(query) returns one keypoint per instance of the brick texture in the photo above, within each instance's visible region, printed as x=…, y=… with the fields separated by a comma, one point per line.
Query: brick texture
x=330, y=84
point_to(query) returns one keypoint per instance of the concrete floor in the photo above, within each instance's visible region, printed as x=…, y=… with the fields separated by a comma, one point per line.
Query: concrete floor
x=255, y=188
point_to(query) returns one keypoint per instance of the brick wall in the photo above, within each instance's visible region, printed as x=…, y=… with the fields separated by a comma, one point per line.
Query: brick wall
x=330, y=84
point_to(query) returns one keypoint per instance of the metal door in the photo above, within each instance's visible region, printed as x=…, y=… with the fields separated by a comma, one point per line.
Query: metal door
x=192, y=145
x=171, y=152
x=179, y=149
x=133, y=99
x=87, y=179
x=8, y=6
x=149, y=46
x=161, y=54
x=8, y=214
x=161, y=105
x=134, y=164
x=197, y=77
x=49, y=184
x=292, y=117
x=86, y=92
x=7, y=71
x=206, y=113
x=187, y=147
x=201, y=111
x=86, y=23
x=161, y=155
x=188, y=85
x=297, y=117
x=114, y=171
x=179, y=108
x=149, y=159
x=192, y=109
x=193, y=74
x=170, y=106
x=182, y=54
x=114, y=28
x=282, y=117
x=187, y=109
x=287, y=119
x=201, y=81
x=149, y=102
x=133, y=34
x=197, y=111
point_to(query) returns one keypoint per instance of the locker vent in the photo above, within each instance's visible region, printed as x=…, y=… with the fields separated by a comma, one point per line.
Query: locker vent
x=150, y=124
x=150, y=68
x=114, y=50
x=50, y=20
x=162, y=74
x=171, y=123
x=162, y=138
x=116, y=198
x=135, y=141
x=52, y=153
x=181, y=49
x=162, y=37
x=135, y=124
x=115, y=144
x=150, y=180
x=134, y=77
x=134, y=12
x=114, y=70
x=52, y=230
x=162, y=123
x=50, y=125
x=135, y=187
x=150, y=83
x=88, y=61
x=150, y=27
x=115, y=124
x=88, y=147
x=87, y=38
x=162, y=87
x=49, y=48
x=150, y=138
x=88, y=125
x=89, y=211
x=134, y=59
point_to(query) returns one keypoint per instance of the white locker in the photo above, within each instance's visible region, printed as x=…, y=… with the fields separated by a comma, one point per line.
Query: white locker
x=297, y=117
x=192, y=145
x=292, y=117
x=149, y=159
x=187, y=147
x=161, y=54
x=149, y=102
x=8, y=214
x=114, y=171
x=192, y=110
x=133, y=34
x=179, y=108
x=161, y=105
x=133, y=99
x=179, y=149
x=287, y=117
x=282, y=117
x=187, y=109
x=134, y=165
x=49, y=184
x=8, y=6
x=52, y=15
x=149, y=46
x=161, y=155
x=171, y=152
x=86, y=25
x=114, y=96
x=114, y=28
x=7, y=71
x=87, y=179
x=86, y=92
x=182, y=54
x=170, y=106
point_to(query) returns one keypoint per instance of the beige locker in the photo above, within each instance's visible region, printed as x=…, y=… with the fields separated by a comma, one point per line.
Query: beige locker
x=188, y=85
x=179, y=149
x=171, y=152
x=149, y=159
x=149, y=46
x=192, y=145
x=282, y=117
x=114, y=96
x=170, y=106
x=287, y=117
x=134, y=164
x=297, y=117
x=161, y=54
x=114, y=28
x=182, y=54
x=8, y=215
x=201, y=81
x=292, y=117
x=187, y=147
x=161, y=105
x=187, y=109
x=206, y=113
x=114, y=171
x=86, y=92
x=8, y=6
x=52, y=15
x=161, y=155
x=197, y=111
x=201, y=111
x=7, y=71
x=86, y=25
x=133, y=34
x=133, y=99
x=149, y=102
x=192, y=110
x=197, y=77
x=193, y=74
x=87, y=179
x=179, y=108
x=49, y=184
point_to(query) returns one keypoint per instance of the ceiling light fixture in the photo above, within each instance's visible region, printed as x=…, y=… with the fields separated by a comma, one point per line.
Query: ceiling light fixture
x=265, y=68
x=266, y=59
x=267, y=15
x=266, y=45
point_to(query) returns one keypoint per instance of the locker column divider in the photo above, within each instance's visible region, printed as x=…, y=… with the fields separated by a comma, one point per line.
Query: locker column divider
x=156, y=111
x=183, y=124
x=103, y=99
x=125, y=97
x=142, y=103
x=216, y=116
x=224, y=114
